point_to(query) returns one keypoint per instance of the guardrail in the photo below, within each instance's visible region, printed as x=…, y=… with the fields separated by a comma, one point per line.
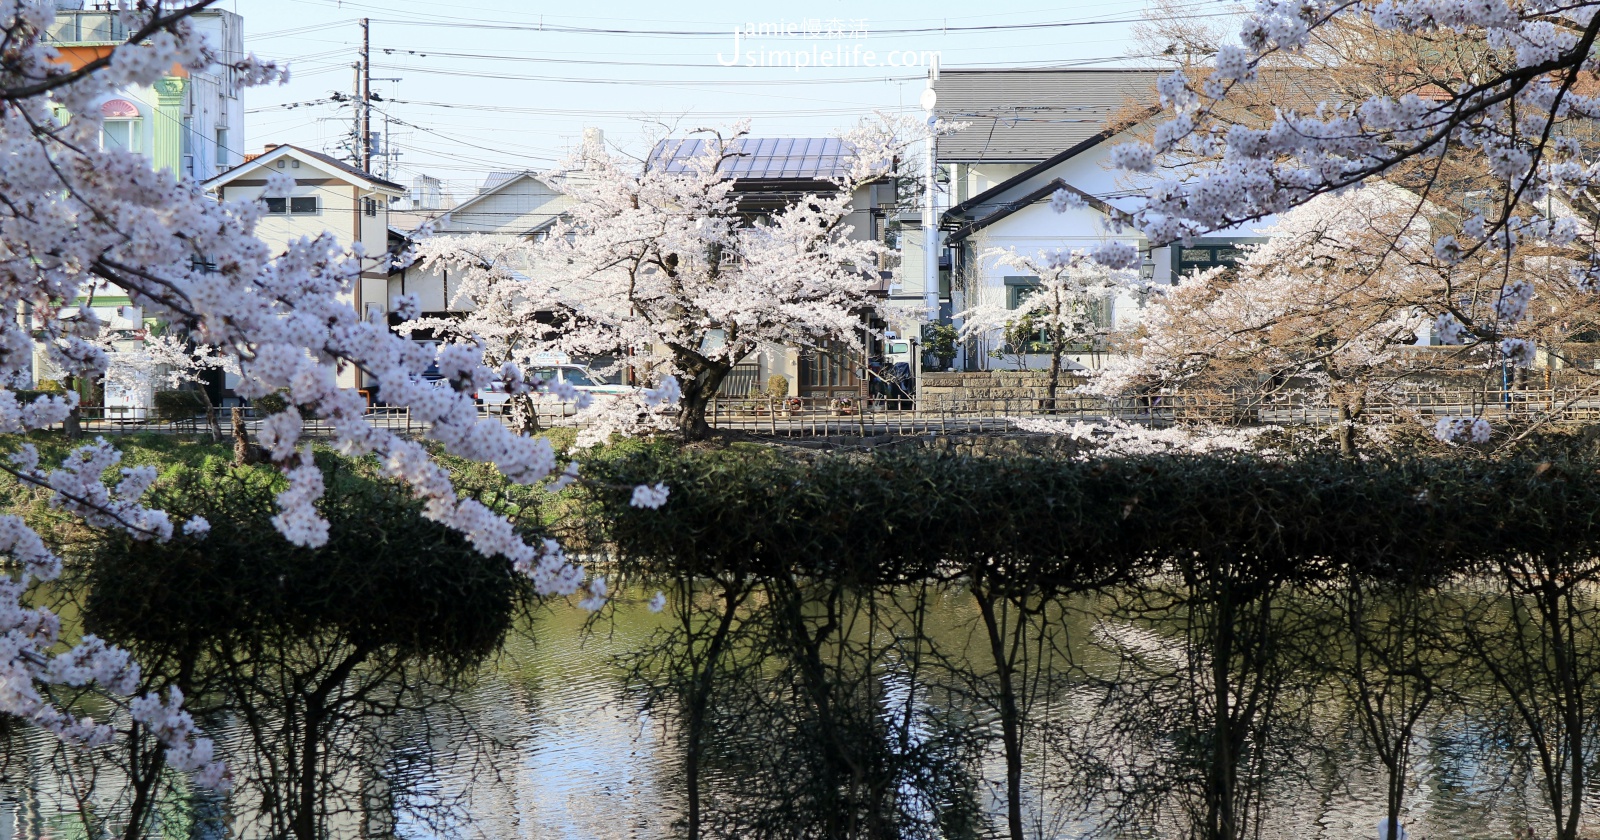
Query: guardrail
x=813, y=417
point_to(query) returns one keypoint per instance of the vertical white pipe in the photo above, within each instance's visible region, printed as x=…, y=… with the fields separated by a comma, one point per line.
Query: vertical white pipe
x=930, y=215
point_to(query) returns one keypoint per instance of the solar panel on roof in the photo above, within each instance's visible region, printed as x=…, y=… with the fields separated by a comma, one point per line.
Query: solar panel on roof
x=796, y=158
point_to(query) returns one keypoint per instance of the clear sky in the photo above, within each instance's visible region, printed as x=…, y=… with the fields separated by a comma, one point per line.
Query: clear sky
x=498, y=84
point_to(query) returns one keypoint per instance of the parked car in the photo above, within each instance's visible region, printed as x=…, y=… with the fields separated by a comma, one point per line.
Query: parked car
x=579, y=377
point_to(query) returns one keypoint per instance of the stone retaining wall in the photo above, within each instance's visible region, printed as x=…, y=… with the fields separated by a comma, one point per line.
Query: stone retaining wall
x=991, y=390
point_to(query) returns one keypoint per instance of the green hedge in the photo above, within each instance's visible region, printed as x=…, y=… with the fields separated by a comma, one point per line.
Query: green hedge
x=179, y=405
x=270, y=404
x=386, y=579
x=904, y=517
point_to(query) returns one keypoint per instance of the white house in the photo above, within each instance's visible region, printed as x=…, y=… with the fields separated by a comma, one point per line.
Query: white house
x=1031, y=133
x=329, y=196
x=508, y=204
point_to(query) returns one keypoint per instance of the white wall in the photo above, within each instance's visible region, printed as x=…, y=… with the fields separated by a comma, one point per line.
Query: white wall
x=341, y=213
x=1037, y=228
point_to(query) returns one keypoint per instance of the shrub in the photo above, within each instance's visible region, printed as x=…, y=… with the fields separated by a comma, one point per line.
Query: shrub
x=179, y=405
x=777, y=386
x=306, y=648
x=270, y=404
x=386, y=579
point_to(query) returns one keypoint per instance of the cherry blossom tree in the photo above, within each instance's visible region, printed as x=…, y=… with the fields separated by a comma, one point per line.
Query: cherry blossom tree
x=1058, y=310
x=75, y=217
x=1328, y=310
x=662, y=266
x=1521, y=108
x=165, y=361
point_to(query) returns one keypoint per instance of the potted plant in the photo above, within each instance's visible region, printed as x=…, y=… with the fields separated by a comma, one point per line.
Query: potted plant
x=777, y=393
x=843, y=405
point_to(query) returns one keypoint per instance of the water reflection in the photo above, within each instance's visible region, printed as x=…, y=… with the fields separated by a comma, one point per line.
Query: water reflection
x=826, y=713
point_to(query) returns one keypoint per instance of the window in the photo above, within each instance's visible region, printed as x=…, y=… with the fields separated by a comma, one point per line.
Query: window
x=576, y=378
x=222, y=148
x=370, y=205
x=1203, y=256
x=120, y=126
x=120, y=134
x=1018, y=289
x=295, y=206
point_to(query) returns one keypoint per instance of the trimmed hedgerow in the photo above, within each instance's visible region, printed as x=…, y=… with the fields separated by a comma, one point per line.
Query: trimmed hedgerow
x=1068, y=524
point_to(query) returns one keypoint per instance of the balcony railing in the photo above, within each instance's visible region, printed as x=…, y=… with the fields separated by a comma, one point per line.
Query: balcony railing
x=73, y=27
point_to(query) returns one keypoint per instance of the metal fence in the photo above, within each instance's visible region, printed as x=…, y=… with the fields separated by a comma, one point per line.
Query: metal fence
x=814, y=417
x=801, y=417
x=101, y=421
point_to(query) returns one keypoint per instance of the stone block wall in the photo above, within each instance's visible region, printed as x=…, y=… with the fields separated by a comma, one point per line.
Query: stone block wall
x=997, y=391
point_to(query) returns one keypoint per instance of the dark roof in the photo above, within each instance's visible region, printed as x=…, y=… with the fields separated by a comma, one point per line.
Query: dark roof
x=764, y=158
x=1029, y=115
x=495, y=179
x=1038, y=195
x=348, y=169
x=253, y=160
x=994, y=192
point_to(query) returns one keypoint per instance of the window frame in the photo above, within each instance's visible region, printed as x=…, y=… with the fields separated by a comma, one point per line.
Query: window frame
x=1018, y=288
x=133, y=126
x=1225, y=253
x=316, y=205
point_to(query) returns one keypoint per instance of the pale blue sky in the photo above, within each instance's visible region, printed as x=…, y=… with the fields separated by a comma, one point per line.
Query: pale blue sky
x=496, y=84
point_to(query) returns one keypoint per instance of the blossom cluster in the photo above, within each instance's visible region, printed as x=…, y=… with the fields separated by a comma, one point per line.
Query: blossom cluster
x=660, y=265
x=1520, y=118
x=1116, y=438
x=81, y=221
x=1454, y=429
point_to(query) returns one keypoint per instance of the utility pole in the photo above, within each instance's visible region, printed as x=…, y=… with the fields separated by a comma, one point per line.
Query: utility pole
x=355, y=105
x=365, y=94
x=930, y=215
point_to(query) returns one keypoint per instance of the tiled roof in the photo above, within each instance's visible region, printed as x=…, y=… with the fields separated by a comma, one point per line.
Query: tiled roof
x=764, y=158
x=1026, y=116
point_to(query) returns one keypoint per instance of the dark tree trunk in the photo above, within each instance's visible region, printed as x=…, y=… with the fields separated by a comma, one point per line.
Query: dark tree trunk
x=1055, y=376
x=73, y=425
x=1010, y=713
x=525, y=415
x=318, y=716
x=243, y=452
x=1350, y=410
x=1221, y=775
x=144, y=770
x=213, y=421
x=699, y=387
x=699, y=700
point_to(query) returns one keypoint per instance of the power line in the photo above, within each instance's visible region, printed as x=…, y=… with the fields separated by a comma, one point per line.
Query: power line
x=688, y=33
x=858, y=24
